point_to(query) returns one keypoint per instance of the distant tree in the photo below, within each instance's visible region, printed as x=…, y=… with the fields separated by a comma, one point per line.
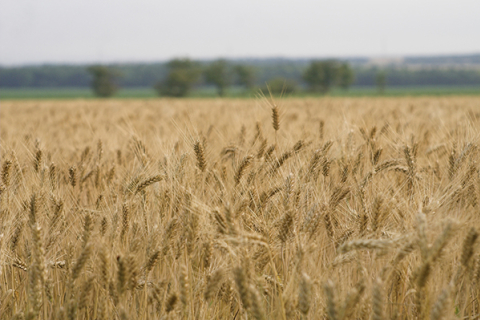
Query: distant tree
x=381, y=81
x=345, y=76
x=182, y=75
x=103, y=82
x=321, y=75
x=246, y=76
x=218, y=74
x=280, y=85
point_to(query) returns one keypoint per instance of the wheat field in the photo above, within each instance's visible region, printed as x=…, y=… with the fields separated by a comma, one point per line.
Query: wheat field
x=328, y=208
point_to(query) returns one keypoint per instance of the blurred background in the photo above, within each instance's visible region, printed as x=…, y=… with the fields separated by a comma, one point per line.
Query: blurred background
x=143, y=49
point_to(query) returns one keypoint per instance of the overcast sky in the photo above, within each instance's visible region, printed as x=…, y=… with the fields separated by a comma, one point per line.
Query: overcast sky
x=71, y=31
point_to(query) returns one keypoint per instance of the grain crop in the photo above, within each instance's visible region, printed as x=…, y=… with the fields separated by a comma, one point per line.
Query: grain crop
x=325, y=208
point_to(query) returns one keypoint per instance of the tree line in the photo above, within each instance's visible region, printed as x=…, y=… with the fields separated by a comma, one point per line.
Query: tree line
x=179, y=76
x=183, y=74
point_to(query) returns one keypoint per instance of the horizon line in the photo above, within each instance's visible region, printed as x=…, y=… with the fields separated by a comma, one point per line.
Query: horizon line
x=239, y=58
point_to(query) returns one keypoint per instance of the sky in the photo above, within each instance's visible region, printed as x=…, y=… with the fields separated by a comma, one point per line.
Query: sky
x=103, y=31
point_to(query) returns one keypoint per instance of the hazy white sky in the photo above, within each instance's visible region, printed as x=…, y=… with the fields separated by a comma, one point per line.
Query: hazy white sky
x=58, y=31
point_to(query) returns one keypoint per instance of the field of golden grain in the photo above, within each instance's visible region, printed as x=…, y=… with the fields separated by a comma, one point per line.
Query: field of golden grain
x=329, y=208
